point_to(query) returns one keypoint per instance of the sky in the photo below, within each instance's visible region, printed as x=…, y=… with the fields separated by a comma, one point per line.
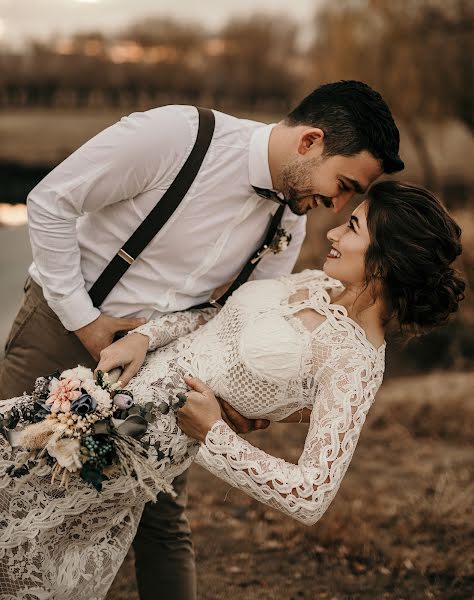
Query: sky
x=21, y=19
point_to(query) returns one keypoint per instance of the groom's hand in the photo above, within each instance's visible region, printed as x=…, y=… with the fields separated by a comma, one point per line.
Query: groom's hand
x=239, y=423
x=128, y=354
x=101, y=333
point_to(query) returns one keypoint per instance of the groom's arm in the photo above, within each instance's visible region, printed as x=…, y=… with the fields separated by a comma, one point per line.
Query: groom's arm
x=241, y=424
x=136, y=154
x=238, y=422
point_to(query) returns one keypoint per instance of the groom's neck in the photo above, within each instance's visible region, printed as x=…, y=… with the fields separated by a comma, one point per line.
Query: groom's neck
x=279, y=152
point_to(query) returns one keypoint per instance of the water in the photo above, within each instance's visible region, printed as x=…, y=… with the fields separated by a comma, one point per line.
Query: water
x=13, y=214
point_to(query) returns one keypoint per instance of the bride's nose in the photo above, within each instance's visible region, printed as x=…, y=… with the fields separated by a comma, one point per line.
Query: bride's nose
x=332, y=235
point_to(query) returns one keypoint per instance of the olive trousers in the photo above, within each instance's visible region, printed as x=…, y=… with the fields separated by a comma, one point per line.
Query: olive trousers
x=38, y=344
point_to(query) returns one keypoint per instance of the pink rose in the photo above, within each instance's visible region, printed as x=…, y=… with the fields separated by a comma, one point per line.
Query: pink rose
x=61, y=393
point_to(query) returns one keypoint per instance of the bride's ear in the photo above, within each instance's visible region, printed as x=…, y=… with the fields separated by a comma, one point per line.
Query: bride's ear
x=311, y=139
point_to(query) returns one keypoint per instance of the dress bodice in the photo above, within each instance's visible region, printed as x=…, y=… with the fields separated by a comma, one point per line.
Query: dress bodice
x=258, y=355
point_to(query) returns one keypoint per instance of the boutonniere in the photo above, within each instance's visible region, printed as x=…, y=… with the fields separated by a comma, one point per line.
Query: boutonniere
x=280, y=242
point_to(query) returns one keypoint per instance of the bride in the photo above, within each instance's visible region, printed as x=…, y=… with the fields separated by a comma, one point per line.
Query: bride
x=311, y=343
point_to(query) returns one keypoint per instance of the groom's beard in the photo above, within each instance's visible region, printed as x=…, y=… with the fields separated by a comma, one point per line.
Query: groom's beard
x=303, y=203
x=299, y=204
x=297, y=186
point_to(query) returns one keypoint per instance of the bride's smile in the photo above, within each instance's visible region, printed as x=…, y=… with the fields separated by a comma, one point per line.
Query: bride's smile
x=346, y=259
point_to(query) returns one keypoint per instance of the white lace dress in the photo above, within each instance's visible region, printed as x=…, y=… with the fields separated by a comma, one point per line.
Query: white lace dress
x=257, y=354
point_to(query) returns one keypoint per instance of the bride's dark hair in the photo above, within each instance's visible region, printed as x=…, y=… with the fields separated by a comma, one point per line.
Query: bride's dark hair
x=413, y=243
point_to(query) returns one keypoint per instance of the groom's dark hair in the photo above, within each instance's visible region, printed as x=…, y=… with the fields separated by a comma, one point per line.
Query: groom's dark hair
x=354, y=117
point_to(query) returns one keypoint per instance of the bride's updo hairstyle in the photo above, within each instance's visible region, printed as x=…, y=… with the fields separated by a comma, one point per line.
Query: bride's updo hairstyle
x=413, y=243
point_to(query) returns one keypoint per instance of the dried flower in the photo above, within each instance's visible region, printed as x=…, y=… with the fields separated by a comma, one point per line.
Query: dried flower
x=41, y=389
x=123, y=399
x=102, y=396
x=61, y=393
x=279, y=243
x=67, y=452
x=79, y=372
x=84, y=404
x=37, y=435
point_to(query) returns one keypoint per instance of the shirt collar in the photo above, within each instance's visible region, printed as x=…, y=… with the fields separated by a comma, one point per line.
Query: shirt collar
x=259, y=169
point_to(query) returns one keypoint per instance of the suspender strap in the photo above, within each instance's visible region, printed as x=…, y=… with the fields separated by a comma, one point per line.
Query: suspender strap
x=248, y=269
x=159, y=215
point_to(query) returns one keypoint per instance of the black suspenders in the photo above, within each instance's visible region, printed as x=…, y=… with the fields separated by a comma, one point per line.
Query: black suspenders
x=243, y=276
x=160, y=214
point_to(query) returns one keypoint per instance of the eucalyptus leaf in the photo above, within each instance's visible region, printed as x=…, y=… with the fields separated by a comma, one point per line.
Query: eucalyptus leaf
x=164, y=408
x=135, y=426
x=103, y=426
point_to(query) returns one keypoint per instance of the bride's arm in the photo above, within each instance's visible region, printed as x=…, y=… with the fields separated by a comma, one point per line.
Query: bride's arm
x=305, y=490
x=171, y=326
x=129, y=352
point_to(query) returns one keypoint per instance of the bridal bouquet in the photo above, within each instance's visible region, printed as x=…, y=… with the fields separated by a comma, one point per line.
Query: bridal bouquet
x=75, y=423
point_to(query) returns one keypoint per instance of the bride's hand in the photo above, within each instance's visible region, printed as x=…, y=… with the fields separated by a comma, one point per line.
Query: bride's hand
x=127, y=353
x=201, y=410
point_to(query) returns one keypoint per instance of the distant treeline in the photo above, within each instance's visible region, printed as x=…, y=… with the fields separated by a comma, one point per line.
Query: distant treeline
x=417, y=54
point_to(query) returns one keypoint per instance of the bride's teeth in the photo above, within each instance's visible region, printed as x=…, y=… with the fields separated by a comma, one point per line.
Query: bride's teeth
x=334, y=253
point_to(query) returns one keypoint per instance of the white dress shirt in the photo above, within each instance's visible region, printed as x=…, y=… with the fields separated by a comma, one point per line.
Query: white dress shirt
x=81, y=214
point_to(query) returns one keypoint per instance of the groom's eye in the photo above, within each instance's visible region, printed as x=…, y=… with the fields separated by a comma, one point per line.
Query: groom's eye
x=342, y=186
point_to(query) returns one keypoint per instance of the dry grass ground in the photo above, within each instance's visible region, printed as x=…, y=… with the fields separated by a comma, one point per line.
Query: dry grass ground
x=400, y=527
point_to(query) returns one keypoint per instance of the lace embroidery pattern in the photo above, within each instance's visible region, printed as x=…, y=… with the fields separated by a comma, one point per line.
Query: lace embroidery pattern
x=172, y=326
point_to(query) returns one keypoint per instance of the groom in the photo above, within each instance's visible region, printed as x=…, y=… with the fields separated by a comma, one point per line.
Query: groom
x=334, y=144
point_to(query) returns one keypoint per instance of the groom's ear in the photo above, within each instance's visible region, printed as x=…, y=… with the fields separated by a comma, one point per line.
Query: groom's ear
x=311, y=140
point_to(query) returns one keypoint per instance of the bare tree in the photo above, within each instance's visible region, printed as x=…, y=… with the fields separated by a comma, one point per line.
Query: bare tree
x=417, y=53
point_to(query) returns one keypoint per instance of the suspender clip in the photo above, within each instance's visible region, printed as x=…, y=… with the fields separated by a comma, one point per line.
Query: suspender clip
x=261, y=254
x=214, y=303
x=125, y=256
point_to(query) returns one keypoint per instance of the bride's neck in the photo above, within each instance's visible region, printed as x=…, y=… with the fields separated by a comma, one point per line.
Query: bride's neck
x=361, y=307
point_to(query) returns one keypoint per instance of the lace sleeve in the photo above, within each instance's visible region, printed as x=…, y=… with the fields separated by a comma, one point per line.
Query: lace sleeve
x=303, y=491
x=171, y=326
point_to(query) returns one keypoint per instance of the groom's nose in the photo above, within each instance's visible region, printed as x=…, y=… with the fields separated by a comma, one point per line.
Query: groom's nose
x=341, y=200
